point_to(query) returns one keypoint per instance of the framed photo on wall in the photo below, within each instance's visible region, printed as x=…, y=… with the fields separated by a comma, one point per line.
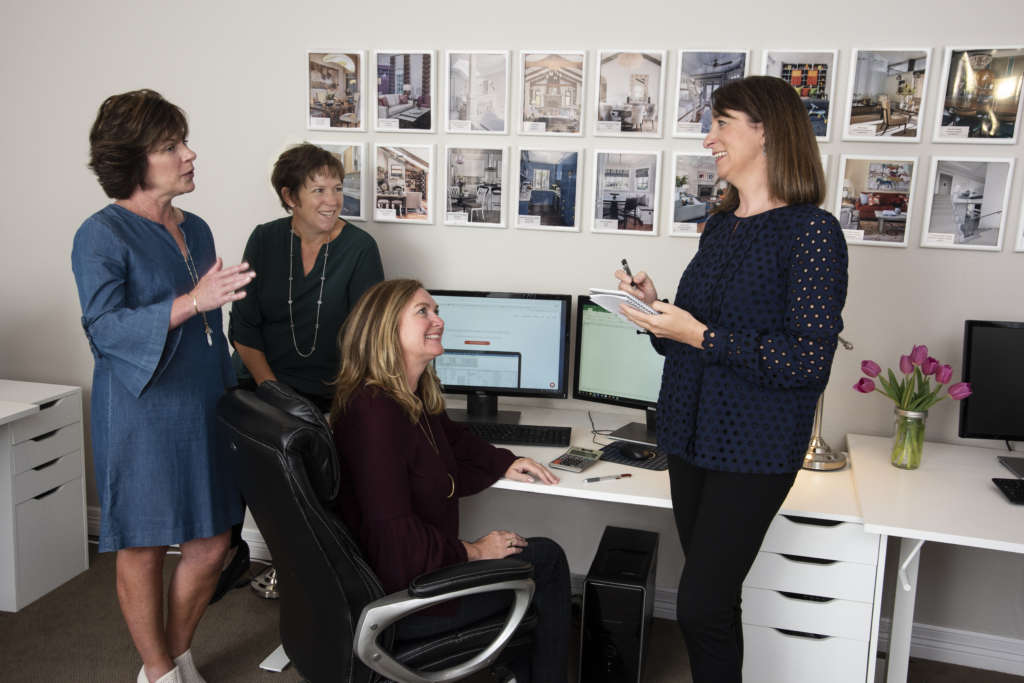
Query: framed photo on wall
x=874, y=197
x=812, y=74
x=551, y=87
x=549, y=190
x=628, y=87
x=825, y=169
x=626, y=192
x=695, y=191
x=405, y=99
x=476, y=85
x=352, y=158
x=701, y=73
x=336, y=81
x=403, y=190
x=980, y=95
x=886, y=94
x=475, y=186
x=1020, y=230
x=968, y=198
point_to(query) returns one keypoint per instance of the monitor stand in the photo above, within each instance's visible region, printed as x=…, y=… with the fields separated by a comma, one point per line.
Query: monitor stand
x=638, y=432
x=483, y=407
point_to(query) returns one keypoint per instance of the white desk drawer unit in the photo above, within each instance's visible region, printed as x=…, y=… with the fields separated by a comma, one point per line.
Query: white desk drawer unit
x=807, y=602
x=42, y=492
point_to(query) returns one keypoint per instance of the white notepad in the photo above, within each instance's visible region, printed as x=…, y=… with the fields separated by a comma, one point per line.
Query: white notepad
x=611, y=299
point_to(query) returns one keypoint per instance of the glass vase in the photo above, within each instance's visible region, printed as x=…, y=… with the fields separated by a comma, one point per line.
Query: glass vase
x=908, y=439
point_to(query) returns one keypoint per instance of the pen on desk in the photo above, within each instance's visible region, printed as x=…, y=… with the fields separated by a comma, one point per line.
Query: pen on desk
x=625, y=267
x=591, y=480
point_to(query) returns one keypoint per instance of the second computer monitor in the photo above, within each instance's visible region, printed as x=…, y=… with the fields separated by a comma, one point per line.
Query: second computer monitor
x=616, y=365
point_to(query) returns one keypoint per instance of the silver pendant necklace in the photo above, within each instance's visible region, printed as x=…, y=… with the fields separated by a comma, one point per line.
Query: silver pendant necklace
x=193, y=274
x=319, y=298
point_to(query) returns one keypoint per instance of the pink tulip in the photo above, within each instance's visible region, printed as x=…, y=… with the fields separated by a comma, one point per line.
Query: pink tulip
x=929, y=366
x=870, y=368
x=906, y=365
x=944, y=374
x=960, y=390
x=919, y=354
x=866, y=386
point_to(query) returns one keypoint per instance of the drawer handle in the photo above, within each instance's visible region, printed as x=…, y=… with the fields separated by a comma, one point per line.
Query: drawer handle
x=804, y=596
x=802, y=634
x=812, y=520
x=807, y=560
x=48, y=404
x=45, y=465
x=44, y=437
x=44, y=494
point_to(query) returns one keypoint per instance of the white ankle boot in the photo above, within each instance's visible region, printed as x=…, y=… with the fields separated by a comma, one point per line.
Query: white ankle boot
x=187, y=668
x=172, y=676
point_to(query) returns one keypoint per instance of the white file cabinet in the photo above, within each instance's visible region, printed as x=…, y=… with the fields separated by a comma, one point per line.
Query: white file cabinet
x=43, y=540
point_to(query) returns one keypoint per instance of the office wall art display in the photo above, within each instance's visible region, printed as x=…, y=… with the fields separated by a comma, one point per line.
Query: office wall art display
x=967, y=203
x=626, y=192
x=696, y=191
x=874, y=199
x=475, y=180
x=549, y=189
x=352, y=158
x=405, y=91
x=477, y=91
x=335, y=90
x=403, y=191
x=701, y=73
x=812, y=75
x=552, y=92
x=628, y=88
x=980, y=95
x=887, y=91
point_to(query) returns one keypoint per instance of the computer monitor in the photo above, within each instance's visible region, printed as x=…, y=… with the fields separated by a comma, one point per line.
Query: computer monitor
x=502, y=344
x=994, y=366
x=616, y=365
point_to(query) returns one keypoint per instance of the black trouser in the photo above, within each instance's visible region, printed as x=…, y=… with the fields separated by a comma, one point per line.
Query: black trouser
x=721, y=518
x=548, y=661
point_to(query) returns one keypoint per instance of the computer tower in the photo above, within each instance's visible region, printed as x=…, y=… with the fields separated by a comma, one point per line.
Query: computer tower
x=618, y=602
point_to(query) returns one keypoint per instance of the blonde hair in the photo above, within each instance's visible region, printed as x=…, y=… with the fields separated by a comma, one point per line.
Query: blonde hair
x=371, y=353
x=795, y=175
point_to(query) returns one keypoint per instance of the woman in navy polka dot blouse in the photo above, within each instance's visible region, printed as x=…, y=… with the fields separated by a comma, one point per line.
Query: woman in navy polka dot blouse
x=748, y=345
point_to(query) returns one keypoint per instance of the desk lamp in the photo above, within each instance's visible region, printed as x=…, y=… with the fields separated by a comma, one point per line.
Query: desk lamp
x=819, y=455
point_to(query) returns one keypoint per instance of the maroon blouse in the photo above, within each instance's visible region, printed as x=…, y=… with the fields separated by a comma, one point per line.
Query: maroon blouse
x=398, y=496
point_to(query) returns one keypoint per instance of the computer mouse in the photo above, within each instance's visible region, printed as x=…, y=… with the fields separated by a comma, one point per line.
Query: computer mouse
x=638, y=451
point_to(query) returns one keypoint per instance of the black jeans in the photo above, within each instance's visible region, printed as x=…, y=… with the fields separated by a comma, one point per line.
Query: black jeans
x=548, y=660
x=721, y=518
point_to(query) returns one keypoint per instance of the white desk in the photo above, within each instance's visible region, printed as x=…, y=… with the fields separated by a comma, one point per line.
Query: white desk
x=950, y=499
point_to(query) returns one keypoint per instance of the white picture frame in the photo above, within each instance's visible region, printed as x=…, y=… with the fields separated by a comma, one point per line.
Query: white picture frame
x=967, y=204
x=331, y=95
x=403, y=183
x=613, y=194
x=825, y=169
x=693, y=189
x=698, y=74
x=552, y=92
x=564, y=169
x=476, y=91
x=783, y=63
x=1020, y=228
x=466, y=169
x=418, y=112
x=867, y=200
x=953, y=109
x=628, y=94
x=352, y=156
x=886, y=94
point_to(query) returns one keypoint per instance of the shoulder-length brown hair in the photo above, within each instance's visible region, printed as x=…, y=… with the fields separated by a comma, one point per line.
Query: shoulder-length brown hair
x=795, y=175
x=371, y=354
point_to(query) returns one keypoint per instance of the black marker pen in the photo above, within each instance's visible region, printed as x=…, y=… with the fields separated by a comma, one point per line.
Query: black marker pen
x=625, y=267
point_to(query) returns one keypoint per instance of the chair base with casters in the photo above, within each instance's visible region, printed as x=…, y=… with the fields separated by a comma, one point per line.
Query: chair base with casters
x=334, y=613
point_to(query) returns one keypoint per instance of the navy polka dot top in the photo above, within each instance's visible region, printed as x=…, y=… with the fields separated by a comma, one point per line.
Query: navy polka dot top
x=771, y=289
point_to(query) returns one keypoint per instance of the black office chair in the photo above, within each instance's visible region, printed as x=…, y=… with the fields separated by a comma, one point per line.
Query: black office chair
x=335, y=617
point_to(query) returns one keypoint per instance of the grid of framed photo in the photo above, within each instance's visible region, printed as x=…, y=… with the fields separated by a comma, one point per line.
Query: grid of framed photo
x=696, y=191
x=700, y=74
x=551, y=91
x=625, y=192
x=885, y=96
x=403, y=190
x=335, y=90
x=405, y=101
x=352, y=158
x=628, y=88
x=812, y=74
x=550, y=181
x=967, y=203
x=875, y=202
x=475, y=186
x=476, y=83
x=980, y=95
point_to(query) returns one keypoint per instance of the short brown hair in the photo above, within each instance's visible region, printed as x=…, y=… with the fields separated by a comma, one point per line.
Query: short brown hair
x=371, y=353
x=300, y=163
x=795, y=175
x=127, y=128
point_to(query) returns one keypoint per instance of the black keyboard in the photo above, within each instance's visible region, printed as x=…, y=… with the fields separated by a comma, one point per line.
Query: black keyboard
x=1011, y=488
x=520, y=435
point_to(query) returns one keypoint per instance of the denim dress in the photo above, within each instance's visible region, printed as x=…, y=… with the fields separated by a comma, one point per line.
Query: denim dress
x=154, y=390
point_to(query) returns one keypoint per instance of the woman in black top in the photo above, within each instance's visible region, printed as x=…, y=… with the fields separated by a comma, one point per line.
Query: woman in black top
x=748, y=346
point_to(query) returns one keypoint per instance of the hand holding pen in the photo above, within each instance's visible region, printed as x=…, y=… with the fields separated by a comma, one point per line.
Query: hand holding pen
x=639, y=285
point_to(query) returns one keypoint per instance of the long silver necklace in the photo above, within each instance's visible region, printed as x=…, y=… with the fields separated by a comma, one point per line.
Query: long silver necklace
x=193, y=274
x=319, y=298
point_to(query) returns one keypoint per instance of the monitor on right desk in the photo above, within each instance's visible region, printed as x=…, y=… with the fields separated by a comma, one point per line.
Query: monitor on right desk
x=616, y=365
x=994, y=366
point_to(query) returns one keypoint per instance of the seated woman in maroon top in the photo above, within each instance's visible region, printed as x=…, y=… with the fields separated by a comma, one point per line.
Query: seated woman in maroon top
x=405, y=464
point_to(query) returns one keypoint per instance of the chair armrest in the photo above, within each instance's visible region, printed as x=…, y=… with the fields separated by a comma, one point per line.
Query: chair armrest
x=468, y=575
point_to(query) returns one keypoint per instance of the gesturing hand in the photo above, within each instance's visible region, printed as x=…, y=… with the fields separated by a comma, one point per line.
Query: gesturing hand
x=495, y=546
x=525, y=469
x=644, y=289
x=222, y=285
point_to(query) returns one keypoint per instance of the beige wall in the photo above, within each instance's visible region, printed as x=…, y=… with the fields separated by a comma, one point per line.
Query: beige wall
x=238, y=69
